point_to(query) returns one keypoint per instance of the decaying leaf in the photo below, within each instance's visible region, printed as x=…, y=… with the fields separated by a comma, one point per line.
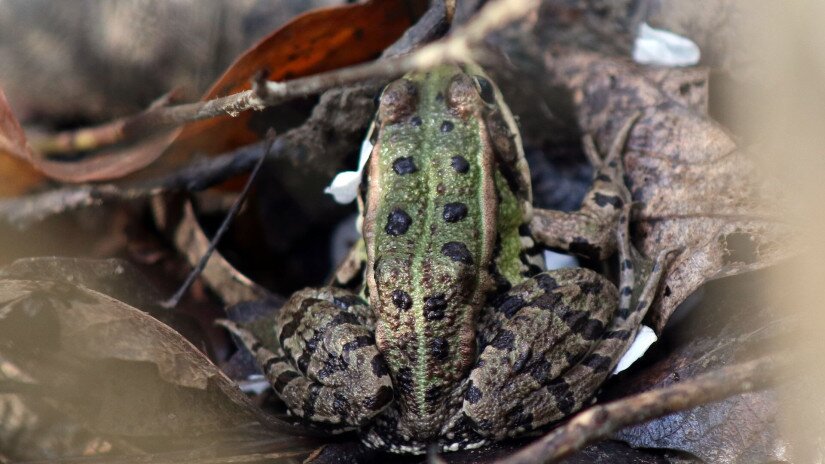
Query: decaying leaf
x=740, y=429
x=695, y=189
x=317, y=41
x=230, y=284
x=16, y=175
x=733, y=323
x=114, y=277
x=33, y=430
x=120, y=370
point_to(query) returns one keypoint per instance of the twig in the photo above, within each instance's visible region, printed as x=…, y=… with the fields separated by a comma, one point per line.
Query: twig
x=23, y=211
x=458, y=47
x=230, y=215
x=91, y=138
x=600, y=422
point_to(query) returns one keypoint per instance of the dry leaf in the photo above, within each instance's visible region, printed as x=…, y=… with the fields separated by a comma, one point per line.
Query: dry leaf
x=227, y=282
x=731, y=323
x=696, y=190
x=314, y=42
x=120, y=370
x=16, y=174
x=740, y=429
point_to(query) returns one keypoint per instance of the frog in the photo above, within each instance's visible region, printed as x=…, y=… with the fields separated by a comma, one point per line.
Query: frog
x=454, y=336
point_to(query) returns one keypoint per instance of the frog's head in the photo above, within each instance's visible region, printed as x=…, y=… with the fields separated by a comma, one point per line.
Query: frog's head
x=462, y=91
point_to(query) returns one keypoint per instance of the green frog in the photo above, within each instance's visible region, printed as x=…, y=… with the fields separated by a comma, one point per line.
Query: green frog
x=458, y=337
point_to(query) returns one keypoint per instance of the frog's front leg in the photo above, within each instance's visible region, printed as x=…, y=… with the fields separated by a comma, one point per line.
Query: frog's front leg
x=327, y=369
x=590, y=231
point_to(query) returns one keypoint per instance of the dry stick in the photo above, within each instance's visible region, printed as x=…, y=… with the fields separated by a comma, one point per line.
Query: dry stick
x=91, y=138
x=457, y=47
x=230, y=215
x=600, y=422
x=23, y=211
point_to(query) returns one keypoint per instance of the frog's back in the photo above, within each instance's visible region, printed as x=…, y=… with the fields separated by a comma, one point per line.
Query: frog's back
x=431, y=227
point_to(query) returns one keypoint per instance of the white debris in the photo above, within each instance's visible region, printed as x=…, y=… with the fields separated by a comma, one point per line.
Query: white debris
x=660, y=47
x=644, y=338
x=344, y=187
x=559, y=261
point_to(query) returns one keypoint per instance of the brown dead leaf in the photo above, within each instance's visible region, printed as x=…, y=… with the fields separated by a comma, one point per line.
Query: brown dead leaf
x=741, y=429
x=120, y=370
x=730, y=324
x=23, y=167
x=696, y=190
x=314, y=42
x=16, y=174
x=227, y=282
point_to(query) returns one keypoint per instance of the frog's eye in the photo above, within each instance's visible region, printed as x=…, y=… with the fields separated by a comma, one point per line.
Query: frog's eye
x=485, y=89
x=462, y=95
x=398, y=101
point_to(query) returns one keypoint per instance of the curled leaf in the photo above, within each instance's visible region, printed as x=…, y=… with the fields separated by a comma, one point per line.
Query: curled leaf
x=119, y=370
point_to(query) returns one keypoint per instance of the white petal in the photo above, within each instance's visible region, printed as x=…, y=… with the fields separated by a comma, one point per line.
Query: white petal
x=660, y=47
x=344, y=187
x=644, y=338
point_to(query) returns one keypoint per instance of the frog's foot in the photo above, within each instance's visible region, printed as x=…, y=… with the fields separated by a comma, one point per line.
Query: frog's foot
x=534, y=336
x=639, y=277
x=329, y=371
x=590, y=231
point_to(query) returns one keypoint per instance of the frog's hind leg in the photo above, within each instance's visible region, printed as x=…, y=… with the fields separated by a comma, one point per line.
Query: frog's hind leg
x=327, y=368
x=551, y=341
x=532, y=334
x=591, y=230
x=639, y=281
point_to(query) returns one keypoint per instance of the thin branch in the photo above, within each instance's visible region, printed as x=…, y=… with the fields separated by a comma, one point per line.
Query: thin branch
x=458, y=47
x=23, y=211
x=600, y=422
x=92, y=138
x=173, y=301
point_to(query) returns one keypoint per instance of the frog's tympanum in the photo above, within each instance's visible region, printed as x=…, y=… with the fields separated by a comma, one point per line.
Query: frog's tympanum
x=458, y=337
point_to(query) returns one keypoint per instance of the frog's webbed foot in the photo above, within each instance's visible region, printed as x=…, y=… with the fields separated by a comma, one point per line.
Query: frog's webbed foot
x=639, y=277
x=327, y=370
x=590, y=231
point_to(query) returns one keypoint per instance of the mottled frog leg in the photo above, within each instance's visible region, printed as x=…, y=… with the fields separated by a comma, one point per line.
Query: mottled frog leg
x=535, y=333
x=551, y=341
x=327, y=370
x=591, y=230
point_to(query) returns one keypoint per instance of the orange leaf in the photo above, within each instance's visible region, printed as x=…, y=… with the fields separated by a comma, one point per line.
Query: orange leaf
x=315, y=42
x=16, y=173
